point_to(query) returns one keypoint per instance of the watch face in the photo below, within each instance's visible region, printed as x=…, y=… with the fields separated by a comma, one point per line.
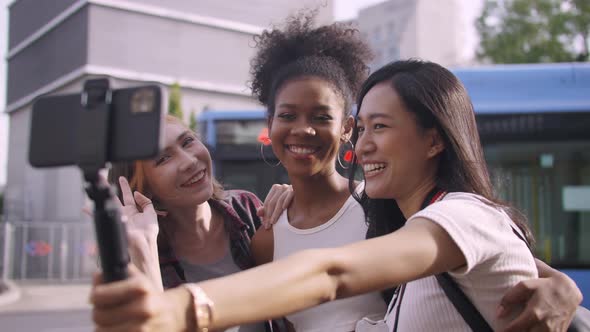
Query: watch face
x=143, y=101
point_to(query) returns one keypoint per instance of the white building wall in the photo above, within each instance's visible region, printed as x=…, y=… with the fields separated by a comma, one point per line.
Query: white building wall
x=196, y=101
x=408, y=35
x=32, y=194
x=14, y=199
x=156, y=46
x=438, y=31
x=256, y=12
x=427, y=29
x=389, y=28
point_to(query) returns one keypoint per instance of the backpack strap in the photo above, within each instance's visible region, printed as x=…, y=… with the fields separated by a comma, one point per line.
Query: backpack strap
x=461, y=302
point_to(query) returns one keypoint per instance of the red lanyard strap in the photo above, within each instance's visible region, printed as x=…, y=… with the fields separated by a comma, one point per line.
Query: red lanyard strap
x=433, y=196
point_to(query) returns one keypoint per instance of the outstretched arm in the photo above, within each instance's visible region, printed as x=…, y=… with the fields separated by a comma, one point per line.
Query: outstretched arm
x=312, y=277
x=297, y=282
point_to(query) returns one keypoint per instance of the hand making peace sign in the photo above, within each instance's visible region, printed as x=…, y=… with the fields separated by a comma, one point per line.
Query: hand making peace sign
x=141, y=221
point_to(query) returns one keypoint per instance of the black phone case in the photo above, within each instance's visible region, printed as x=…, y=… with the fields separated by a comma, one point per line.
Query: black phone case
x=133, y=135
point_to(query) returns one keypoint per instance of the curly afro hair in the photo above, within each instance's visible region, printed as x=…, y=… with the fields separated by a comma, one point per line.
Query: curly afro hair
x=334, y=52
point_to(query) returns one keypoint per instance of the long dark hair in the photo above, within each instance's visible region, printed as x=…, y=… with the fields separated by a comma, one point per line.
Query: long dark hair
x=438, y=100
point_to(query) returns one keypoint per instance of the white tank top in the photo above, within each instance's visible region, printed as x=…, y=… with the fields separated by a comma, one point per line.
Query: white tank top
x=347, y=226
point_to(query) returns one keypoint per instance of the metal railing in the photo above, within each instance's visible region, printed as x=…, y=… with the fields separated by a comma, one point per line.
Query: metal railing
x=52, y=251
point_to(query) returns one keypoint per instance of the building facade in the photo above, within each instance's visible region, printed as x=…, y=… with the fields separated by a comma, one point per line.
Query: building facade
x=401, y=29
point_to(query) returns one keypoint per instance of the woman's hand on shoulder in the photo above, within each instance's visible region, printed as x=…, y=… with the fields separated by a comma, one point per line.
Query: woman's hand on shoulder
x=549, y=302
x=135, y=304
x=278, y=199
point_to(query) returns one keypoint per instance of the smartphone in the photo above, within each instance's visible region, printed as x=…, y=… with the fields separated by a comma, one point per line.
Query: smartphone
x=135, y=128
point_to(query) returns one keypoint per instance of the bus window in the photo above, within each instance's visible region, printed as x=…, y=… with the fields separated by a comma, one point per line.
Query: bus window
x=239, y=132
x=536, y=177
x=251, y=175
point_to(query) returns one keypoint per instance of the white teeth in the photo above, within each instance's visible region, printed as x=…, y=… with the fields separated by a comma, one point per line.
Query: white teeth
x=375, y=167
x=300, y=150
x=195, y=178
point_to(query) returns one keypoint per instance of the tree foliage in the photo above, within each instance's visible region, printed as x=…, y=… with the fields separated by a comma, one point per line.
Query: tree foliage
x=192, y=121
x=174, y=106
x=529, y=31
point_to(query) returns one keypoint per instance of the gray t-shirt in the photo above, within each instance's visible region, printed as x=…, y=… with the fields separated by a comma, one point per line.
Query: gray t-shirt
x=202, y=272
x=220, y=268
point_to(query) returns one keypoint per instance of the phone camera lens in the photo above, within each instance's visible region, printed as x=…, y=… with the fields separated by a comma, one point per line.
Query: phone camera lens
x=143, y=101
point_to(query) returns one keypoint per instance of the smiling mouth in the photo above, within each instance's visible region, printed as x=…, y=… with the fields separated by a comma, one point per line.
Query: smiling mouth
x=302, y=150
x=373, y=168
x=195, y=179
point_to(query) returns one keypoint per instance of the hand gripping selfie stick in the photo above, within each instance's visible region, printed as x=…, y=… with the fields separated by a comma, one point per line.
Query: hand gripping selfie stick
x=93, y=127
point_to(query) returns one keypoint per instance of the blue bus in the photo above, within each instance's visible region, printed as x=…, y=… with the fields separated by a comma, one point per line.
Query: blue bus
x=534, y=123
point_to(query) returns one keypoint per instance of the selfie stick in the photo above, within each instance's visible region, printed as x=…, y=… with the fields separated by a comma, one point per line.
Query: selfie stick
x=93, y=127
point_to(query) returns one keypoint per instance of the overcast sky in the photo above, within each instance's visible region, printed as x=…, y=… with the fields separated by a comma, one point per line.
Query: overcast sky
x=344, y=9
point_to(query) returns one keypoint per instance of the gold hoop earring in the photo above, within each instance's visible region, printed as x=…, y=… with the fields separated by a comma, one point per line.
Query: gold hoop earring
x=264, y=159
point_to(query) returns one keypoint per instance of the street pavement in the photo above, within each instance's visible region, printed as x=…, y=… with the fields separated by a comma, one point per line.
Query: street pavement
x=47, y=308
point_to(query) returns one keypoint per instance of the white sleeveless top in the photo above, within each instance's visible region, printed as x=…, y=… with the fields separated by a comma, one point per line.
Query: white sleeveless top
x=347, y=226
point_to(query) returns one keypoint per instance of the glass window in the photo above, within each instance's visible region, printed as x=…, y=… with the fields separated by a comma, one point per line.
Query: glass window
x=240, y=132
x=252, y=175
x=550, y=183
